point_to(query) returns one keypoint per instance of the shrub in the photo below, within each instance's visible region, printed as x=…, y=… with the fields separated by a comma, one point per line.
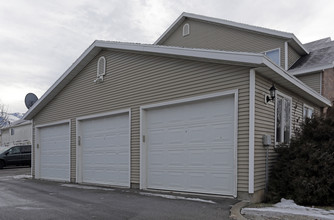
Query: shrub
x=304, y=171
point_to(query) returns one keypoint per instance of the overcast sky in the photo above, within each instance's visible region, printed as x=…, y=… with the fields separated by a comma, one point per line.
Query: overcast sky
x=40, y=39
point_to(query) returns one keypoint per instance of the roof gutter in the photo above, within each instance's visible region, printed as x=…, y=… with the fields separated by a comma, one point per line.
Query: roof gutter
x=311, y=70
x=286, y=75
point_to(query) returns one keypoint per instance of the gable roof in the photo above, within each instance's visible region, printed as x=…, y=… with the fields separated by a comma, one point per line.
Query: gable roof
x=253, y=60
x=321, y=57
x=292, y=39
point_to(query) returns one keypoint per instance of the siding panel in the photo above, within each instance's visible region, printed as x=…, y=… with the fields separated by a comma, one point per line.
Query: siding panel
x=133, y=80
x=293, y=56
x=313, y=80
x=222, y=37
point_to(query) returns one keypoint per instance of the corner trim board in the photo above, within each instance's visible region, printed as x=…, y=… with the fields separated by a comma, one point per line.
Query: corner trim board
x=251, y=130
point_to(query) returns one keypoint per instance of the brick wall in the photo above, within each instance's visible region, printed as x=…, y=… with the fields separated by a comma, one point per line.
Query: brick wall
x=328, y=84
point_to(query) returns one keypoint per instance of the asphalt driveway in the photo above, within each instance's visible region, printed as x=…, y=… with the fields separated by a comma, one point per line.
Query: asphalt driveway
x=22, y=198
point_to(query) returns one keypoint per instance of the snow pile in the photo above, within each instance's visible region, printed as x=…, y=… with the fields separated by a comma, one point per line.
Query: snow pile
x=176, y=197
x=86, y=187
x=289, y=208
x=17, y=177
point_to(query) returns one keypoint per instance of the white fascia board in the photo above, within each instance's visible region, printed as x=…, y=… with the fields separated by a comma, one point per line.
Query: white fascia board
x=237, y=57
x=295, y=81
x=311, y=70
x=62, y=77
x=233, y=24
x=165, y=34
x=203, y=54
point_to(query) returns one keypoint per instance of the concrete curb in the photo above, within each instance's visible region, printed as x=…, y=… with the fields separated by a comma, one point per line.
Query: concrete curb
x=235, y=211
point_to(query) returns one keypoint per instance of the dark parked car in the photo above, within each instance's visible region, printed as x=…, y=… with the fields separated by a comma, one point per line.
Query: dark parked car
x=17, y=155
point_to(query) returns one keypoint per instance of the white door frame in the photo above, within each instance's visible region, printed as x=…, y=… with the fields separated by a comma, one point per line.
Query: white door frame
x=79, y=170
x=37, y=145
x=143, y=131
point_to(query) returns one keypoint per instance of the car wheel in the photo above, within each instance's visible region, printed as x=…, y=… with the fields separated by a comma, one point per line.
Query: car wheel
x=2, y=164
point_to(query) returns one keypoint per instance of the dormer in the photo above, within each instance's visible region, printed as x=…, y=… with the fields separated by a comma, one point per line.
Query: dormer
x=219, y=34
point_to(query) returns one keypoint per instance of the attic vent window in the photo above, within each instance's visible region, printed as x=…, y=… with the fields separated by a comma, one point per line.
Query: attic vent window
x=101, y=69
x=186, y=30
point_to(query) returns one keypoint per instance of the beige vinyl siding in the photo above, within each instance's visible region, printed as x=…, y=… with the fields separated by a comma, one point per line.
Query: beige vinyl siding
x=313, y=80
x=222, y=37
x=133, y=80
x=293, y=56
x=265, y=124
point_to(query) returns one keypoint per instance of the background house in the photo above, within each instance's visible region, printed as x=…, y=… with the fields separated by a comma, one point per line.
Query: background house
x=16, y=133
x=186, y=114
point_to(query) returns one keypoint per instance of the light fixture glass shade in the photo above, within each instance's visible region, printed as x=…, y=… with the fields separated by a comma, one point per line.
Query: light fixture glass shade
x=272, y=92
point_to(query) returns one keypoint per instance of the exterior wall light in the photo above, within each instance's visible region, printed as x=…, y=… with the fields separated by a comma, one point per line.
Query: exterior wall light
x=272, y=96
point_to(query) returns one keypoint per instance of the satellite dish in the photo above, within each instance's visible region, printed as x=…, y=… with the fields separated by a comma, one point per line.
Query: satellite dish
x=30, y=99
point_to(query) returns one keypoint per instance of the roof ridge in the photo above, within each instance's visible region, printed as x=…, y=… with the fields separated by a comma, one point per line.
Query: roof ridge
x=236, y=23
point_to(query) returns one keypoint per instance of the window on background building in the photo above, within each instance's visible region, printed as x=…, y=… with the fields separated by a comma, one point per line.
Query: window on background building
x=12, y=131
x=283, y=119
x=274, y=55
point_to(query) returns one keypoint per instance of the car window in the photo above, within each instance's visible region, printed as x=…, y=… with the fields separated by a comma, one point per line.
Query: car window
x=14, y=150
x=25, y=149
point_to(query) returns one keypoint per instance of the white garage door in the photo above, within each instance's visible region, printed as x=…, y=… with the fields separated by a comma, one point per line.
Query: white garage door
x=106, y=150
x=54, y=147
x=190, y=147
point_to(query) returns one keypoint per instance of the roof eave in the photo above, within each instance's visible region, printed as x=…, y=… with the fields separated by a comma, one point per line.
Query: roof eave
x=302, y=87
x=303, y=71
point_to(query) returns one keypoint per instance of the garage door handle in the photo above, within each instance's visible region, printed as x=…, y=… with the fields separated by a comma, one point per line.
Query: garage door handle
x=144, y=138
x=79, y=140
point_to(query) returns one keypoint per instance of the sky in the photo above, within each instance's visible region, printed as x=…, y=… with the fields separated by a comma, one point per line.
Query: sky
x=40, y=39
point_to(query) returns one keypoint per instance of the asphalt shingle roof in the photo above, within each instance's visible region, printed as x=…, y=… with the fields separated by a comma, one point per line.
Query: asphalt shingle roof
x=321, y=54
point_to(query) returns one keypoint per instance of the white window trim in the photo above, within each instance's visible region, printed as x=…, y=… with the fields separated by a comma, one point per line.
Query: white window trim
x=279, y=55
x=143, y=145
x=309, y=107
x=185, y=29
x=278, y=93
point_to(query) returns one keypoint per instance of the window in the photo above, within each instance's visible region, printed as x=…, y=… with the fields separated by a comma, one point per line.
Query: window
x=307, y=112
x=274, y=55
x=283, y=119
x=14, y=150
x=101, y=67
x=186, y=30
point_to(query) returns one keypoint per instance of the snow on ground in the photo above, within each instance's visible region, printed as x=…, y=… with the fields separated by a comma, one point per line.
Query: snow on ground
x=86, y=187
x=22, y=177
x=176, y=197
x=289, y=208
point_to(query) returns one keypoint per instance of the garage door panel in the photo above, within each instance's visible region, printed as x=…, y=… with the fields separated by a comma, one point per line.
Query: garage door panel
x=54, y=152
x=190, y=147
x=106, y=150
